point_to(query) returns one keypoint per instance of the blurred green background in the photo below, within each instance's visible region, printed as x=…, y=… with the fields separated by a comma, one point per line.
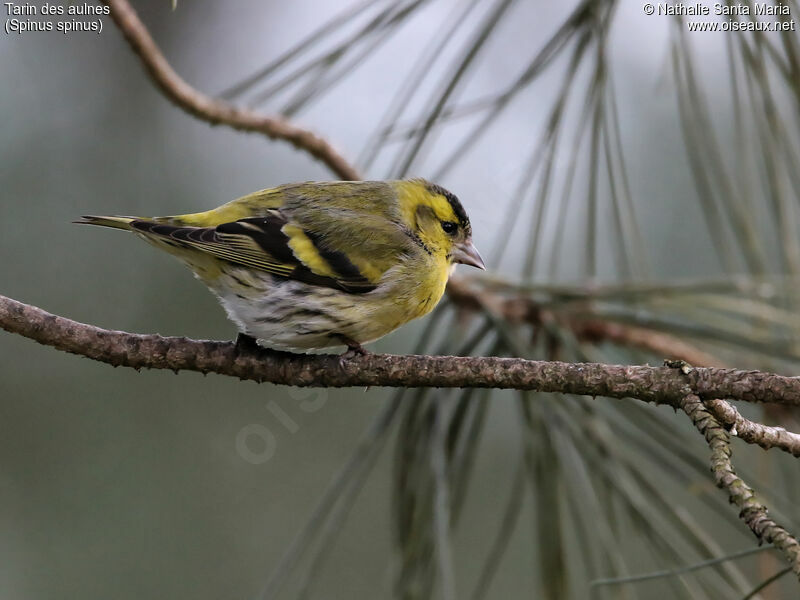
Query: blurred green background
x=118, y=484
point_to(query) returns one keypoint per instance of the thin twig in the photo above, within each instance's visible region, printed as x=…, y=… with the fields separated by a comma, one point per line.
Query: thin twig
x=213, y=110
x=754, y=433
x=523, y=309
x=752, y=512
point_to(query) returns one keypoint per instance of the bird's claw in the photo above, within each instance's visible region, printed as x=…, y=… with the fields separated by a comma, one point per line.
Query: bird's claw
x=354, y=349
x=246, y=343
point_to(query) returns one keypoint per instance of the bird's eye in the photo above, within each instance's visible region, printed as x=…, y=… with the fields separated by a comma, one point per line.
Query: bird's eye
x=449, y=227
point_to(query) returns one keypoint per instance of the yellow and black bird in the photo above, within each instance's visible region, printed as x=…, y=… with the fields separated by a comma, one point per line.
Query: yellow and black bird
x=314, y=265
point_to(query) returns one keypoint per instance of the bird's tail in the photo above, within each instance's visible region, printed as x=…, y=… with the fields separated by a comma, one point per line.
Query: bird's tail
x=113, y=222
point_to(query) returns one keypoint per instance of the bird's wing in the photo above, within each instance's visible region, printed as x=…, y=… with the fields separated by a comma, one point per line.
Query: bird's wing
x=275, y=244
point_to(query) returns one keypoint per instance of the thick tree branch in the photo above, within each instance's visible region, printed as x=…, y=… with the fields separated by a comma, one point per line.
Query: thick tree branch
x=661, y=385
x=752, y=512
x=685, y=388
x=213, y=110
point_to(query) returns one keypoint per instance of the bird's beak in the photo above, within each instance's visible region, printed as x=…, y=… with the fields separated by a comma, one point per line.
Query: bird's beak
x=466, y=254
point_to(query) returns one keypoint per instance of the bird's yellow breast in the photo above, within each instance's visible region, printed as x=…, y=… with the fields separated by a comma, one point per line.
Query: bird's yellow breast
x=421, y=284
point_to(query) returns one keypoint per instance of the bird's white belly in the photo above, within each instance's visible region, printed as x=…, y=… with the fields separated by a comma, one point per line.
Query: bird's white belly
x=290, y=315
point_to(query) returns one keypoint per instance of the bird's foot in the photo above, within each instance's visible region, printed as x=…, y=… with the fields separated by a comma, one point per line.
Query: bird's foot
x=246, y=343
x=354, y=349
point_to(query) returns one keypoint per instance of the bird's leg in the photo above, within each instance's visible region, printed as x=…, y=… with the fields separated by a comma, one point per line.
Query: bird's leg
x=353, y=348
x=246, y=343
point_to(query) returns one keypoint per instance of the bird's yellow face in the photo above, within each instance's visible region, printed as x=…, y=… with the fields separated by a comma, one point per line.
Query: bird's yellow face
x=436, y=217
